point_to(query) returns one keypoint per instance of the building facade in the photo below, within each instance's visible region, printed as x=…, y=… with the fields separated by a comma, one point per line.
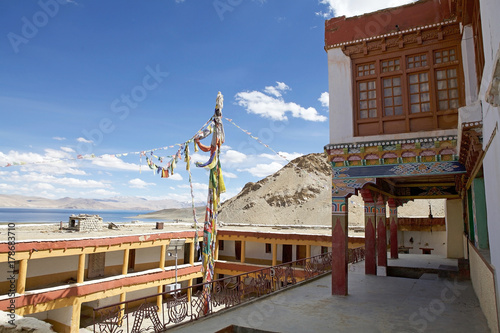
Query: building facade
x=420, y=120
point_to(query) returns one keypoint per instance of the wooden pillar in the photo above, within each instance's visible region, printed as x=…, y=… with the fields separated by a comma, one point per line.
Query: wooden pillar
x=80, y=275
x=75, y=316
x=192, y=247
x=216, y=254
x=123, y=297
x=162, y=256
x=243, y=246
x=308, y=251
x=393, y=218
x=381, y=237
x=21, y=279
x=275, y=254
x=190, y=289
x=126, y=254
x=339, y=246
x=159, y=298
x=370, y=234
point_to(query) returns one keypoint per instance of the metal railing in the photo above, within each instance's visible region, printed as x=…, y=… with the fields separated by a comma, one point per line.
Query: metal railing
x=156, y=313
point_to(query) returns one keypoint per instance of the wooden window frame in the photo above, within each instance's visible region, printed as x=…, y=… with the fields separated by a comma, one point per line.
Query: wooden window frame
x=407, y=122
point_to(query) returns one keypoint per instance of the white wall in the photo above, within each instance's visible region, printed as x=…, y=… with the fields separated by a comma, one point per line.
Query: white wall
x=435, y=240
x=114, y=258
x=141, y=293
x=62, y=315
x=257, y=251
x=46, y=266
x=341, y=102
x=152, y=254
x=491, y=118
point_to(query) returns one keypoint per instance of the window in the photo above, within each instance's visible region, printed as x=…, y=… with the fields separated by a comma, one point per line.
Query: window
x=417, y=90
x=367, y=100
x=324, y=249
x=221, y=245
x=268, y=248
x=419, y=93
x=447, y=87
x=393, y=99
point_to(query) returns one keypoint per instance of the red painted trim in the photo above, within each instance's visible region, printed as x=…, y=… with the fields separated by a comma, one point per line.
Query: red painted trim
x=41, y=245
x=339, y=259
x=382, y=242
x=370, y=248
x=394, y=239
x=418, y=14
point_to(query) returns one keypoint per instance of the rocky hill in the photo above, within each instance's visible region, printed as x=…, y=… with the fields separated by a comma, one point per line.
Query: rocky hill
x=298, y=194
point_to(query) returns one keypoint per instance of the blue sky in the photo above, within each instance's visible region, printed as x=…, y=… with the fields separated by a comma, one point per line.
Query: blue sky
x=112, y=77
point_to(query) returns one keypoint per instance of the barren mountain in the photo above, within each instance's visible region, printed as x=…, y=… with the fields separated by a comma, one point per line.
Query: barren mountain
x=117, y=203
x=298, y=194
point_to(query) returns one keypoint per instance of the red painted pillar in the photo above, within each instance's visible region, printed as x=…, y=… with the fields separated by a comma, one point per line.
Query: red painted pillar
x=370, y=239
x=339, y=246
x=382, y=236
x=393, y=222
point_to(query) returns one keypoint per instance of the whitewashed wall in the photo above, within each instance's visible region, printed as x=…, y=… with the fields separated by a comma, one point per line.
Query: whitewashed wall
x=435, y=240
x=52, y=265
x=152, y=254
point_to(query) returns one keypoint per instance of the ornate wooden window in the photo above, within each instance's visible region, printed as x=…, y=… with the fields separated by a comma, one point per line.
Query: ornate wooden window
x=409, y=90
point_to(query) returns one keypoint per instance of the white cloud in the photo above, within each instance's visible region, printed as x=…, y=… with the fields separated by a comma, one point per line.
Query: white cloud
x=44, y=186
x=68, y=182
x=276, y=91
x=176, y=176
x=227, y=174
x=67, y=149
x=59, y=138
x=283, y=157
x=80, y=139
x=350, y=8
x=233, y=157
x=263, y=170
x=274, y=107
x=139, y=183
x=113, y=162
x=324, y=99
x=102, y=193
x=196, y=186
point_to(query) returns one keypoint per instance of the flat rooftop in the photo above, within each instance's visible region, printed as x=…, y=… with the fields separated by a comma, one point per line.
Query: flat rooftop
x=51, y=231
x=374, y=304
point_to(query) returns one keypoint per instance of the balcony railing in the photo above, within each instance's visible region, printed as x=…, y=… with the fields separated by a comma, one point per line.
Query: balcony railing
x=155, y=313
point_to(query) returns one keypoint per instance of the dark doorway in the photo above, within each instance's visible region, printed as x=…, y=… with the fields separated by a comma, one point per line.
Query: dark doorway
x=237, y=250
x=287, y=253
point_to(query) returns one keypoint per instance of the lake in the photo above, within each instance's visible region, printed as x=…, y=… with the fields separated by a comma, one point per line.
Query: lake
x=34, y=215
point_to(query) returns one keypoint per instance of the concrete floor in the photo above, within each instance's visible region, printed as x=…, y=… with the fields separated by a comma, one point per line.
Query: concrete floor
x=374, y=304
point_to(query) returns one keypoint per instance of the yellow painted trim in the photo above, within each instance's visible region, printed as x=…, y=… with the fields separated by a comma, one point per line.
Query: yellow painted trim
x=162, y=255
x=275, y=254
x=243, y=251
x=86, y=250
x=80, y=275
x=126, y=255
x=59, y=327
x=21, y=279
x=191, y=253
x=75, y=316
